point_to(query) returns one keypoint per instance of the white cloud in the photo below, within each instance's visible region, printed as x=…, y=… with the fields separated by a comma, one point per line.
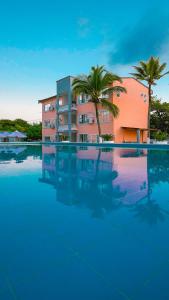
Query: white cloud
x=162, y=87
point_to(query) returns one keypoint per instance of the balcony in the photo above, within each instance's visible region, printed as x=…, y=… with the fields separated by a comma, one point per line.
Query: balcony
x=52, y=126
x=87, y=119
x=65, y=108
x=65, y=127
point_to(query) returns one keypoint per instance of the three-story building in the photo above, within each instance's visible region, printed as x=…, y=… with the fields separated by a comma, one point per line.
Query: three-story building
x=65, y=117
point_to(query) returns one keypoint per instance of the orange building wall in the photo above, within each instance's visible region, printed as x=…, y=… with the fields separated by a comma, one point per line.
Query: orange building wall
x=133, y=113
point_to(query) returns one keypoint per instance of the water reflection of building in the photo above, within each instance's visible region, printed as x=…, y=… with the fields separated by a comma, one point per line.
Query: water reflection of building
x=102, y=179
x=132, y=169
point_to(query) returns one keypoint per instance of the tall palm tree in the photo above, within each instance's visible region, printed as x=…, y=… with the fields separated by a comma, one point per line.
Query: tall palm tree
x=98, y=86
x=150, y=71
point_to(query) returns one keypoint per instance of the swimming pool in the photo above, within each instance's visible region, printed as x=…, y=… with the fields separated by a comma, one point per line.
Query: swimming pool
x=84, y=223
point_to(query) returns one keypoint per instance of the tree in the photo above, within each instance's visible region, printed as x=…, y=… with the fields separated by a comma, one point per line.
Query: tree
x=150, y=71
x=33, y=131
x=160, y=115
x=21, y=125
x=98, y=86
x=7, y=125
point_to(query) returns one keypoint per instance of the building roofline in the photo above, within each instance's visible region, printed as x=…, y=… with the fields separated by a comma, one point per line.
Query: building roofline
x=69, y=76
x=128, y=77
x=45, y=99
x=123, y=77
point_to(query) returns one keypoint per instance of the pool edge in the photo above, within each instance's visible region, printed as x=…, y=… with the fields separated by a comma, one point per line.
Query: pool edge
x=102, y=145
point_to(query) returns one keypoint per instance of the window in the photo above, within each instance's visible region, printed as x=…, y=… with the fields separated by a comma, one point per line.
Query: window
x=82, y=98
x=83, y=119
x=60, y=101
x=104, y=116
x=48, y=107
x=52, y=124
x=83, y=138
x=47, y=124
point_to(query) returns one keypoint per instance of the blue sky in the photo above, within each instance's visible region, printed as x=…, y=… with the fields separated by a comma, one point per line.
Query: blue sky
x=42, y=41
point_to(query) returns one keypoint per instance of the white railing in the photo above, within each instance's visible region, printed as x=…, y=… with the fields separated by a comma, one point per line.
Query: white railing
x=104, y=96
x=73, y=127
x=64, y=127
x=64, y=108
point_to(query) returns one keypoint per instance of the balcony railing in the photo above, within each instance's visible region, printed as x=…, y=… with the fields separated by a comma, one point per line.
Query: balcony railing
x=65, y=108
x=65, y=127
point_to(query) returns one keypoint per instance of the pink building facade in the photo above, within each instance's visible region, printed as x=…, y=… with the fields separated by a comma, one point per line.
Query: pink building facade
x=67, y=118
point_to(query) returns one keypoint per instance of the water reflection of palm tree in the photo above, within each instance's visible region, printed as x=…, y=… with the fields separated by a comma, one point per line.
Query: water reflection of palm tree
x=149, y=211
x=81, y=182
x=101, y=195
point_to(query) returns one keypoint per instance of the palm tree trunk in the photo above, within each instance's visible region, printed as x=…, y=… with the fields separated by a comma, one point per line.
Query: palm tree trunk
x=149, y=109
x=97, y=118
x=112, y=116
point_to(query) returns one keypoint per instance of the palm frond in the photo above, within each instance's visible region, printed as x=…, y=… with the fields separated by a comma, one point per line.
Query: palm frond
x=143, y=66
x=96, y=82
x=150, y=71
x=166, y=73
x=138, y=76
x=81, y=86
x=114, y=110
x=162, y=67
x=114, y=89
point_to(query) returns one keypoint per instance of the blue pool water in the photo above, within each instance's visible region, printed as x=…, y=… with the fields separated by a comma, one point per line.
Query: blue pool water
x=84, y=223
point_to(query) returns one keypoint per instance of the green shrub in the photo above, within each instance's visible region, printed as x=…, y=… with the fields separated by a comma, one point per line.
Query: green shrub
x=160, y=136
x=107, y=137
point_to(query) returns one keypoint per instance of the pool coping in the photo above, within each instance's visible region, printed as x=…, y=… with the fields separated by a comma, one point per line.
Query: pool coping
x=102, y=145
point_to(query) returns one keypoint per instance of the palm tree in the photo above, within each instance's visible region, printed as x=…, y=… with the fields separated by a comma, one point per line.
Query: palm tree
x=98, y=86
x=150, y=71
